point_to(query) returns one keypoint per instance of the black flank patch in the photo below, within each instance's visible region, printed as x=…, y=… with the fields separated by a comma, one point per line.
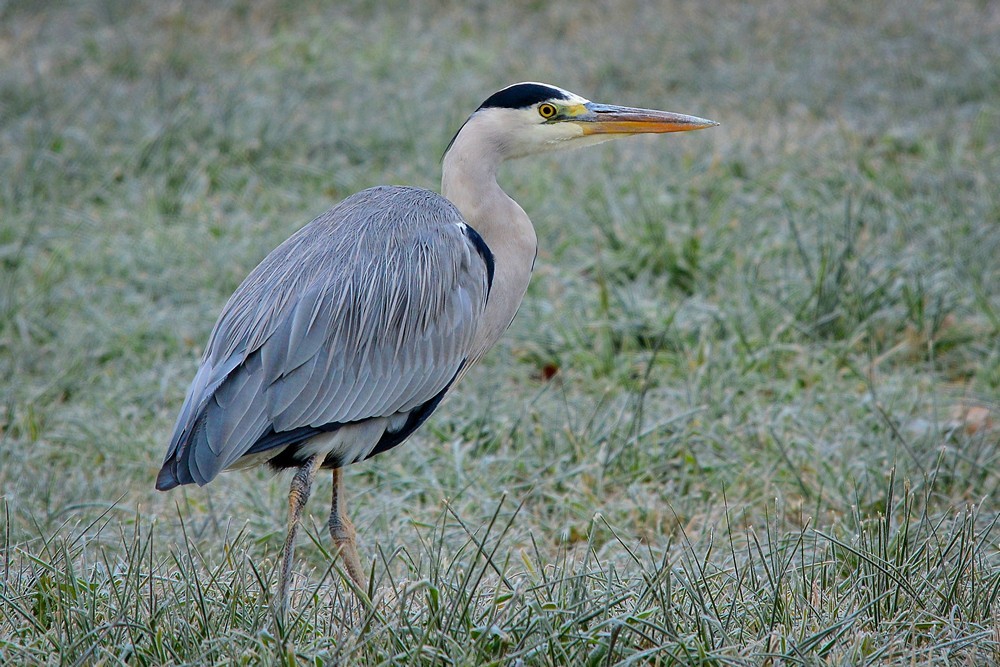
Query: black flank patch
x=296, y=438
x=484, y=252
x=416, y=417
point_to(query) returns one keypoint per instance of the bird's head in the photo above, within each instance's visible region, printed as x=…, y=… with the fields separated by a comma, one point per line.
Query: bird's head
x=528, y=118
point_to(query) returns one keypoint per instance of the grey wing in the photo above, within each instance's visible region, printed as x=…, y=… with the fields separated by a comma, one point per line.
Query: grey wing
x=367, y=313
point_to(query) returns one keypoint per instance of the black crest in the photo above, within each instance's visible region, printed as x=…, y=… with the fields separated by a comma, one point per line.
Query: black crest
x=522, y=95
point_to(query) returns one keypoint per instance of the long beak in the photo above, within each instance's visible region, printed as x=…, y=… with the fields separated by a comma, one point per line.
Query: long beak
x=610, y=119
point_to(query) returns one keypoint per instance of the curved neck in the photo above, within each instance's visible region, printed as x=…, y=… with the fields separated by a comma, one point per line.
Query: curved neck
x=469, y=178
x=469, y=181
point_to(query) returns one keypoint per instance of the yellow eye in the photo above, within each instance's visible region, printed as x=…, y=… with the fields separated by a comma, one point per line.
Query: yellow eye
x=546, y=110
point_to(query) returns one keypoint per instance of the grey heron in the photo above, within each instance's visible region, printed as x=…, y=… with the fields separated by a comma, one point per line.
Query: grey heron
x=347, y=336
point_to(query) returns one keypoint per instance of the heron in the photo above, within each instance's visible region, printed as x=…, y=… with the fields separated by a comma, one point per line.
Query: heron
x=348, y=335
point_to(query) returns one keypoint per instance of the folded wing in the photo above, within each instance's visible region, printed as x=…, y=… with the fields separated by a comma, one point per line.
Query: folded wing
x=366, y=313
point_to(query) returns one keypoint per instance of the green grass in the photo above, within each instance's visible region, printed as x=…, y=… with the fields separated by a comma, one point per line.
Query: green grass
x=771, y=436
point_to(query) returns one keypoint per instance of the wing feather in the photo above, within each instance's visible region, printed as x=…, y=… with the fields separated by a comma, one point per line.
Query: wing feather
x=296, y=388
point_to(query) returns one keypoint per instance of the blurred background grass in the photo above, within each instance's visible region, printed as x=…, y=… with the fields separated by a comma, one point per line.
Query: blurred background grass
x=786, y=323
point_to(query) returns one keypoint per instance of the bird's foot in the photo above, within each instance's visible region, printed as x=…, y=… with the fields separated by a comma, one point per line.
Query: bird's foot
x=346, y=548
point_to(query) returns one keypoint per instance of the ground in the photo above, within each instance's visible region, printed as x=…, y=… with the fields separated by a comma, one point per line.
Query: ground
x=748, y=412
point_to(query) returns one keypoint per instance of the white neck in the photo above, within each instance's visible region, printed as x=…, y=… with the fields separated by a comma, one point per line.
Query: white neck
x=469, y=181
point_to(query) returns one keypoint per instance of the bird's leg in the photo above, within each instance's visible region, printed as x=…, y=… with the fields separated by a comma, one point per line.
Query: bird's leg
x=342, y=532
x=298, y=495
